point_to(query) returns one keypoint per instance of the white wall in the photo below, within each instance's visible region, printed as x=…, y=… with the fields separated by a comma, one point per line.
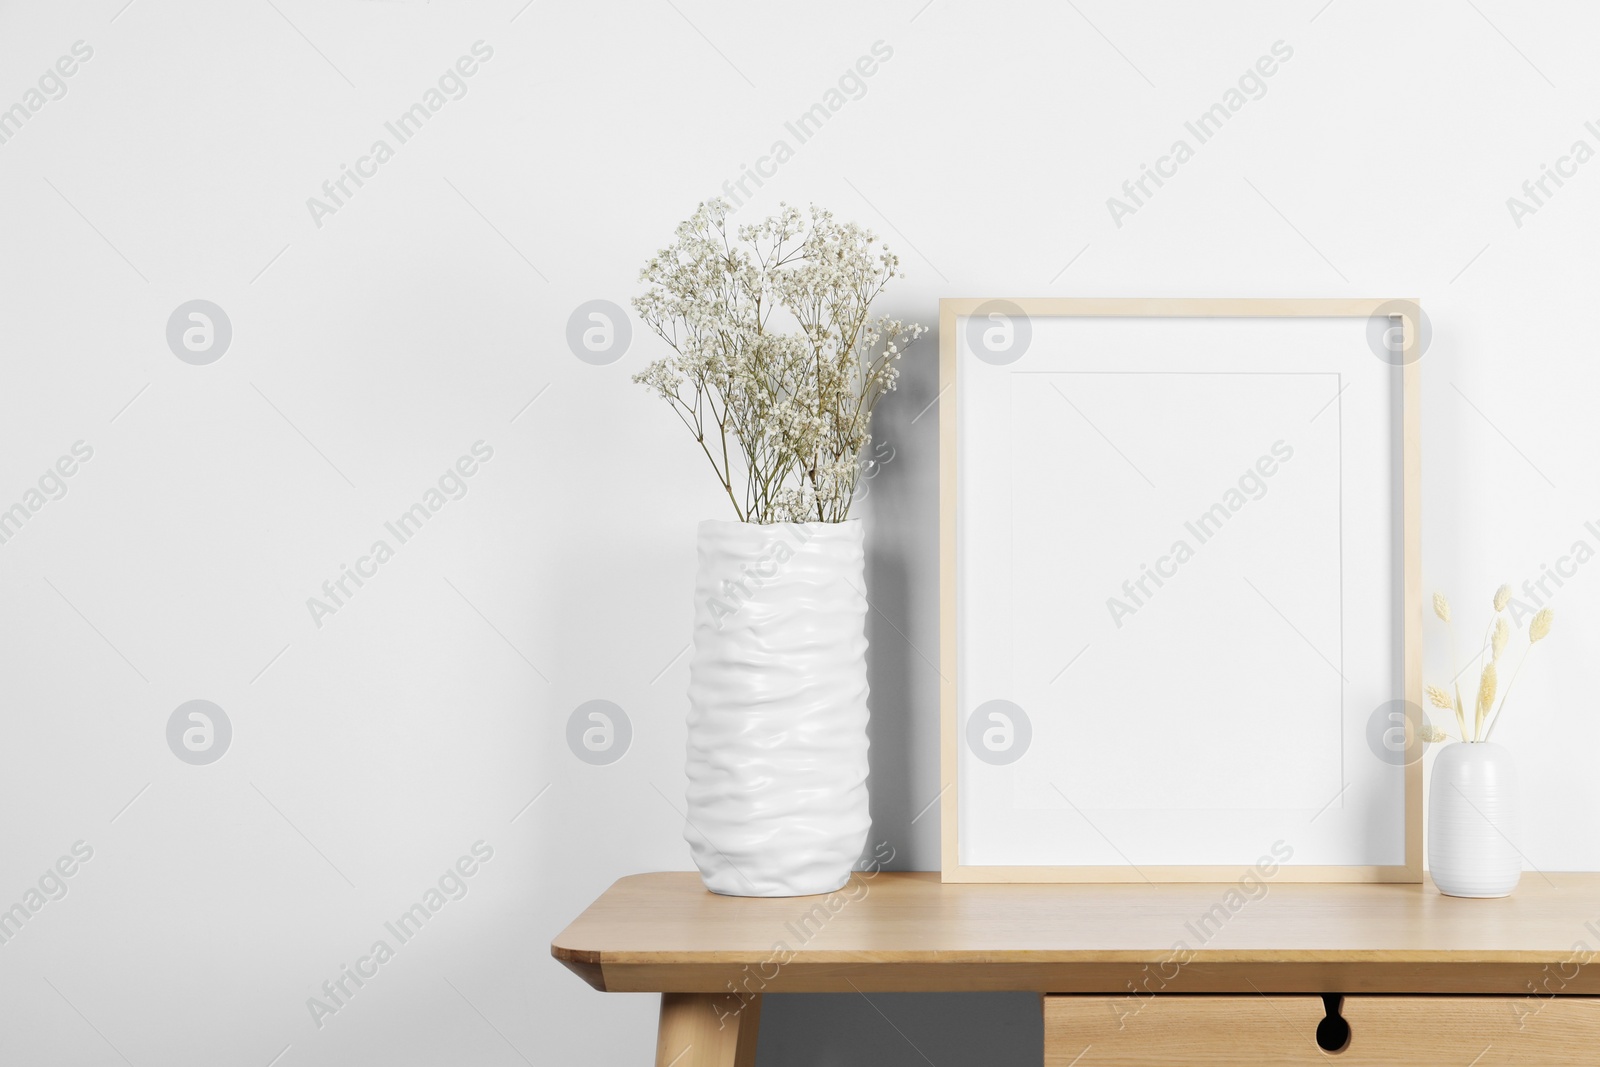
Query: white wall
x=370, y=352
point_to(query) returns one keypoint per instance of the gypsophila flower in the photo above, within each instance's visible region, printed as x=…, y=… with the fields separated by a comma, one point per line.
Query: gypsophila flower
x=777, y=363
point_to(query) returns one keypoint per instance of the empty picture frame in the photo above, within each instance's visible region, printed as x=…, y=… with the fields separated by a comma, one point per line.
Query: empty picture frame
x=1179, y=590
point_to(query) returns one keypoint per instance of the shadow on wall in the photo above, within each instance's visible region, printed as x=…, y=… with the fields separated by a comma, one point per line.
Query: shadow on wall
x=950, y=1029
x=901, y=510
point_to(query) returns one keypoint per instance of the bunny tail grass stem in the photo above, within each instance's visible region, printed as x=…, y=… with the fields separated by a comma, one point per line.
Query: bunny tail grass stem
x=1501, y=710
x=1480, y=661
x=1484, y=650
x=1455, y=684
x=1538, y=630
x=1484, y=703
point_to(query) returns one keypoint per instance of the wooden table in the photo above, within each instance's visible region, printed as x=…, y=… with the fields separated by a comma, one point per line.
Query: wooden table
x=1414, y=977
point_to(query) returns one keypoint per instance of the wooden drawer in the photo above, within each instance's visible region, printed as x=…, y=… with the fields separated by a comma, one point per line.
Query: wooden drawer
x=1201, y=1031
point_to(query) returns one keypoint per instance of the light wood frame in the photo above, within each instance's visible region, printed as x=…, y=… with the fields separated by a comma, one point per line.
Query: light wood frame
x=950, y=310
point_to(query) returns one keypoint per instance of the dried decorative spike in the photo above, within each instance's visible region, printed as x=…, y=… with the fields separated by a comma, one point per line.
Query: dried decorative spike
x=1440, y=699
x=1502, y=634
x=1502, y=597
x=1432, y=734
x=1486, y=689
x=1487, y=686
x=1441, y=606
x=1540, y=626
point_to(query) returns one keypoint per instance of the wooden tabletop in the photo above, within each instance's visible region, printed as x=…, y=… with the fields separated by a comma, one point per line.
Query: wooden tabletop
x=909, y=932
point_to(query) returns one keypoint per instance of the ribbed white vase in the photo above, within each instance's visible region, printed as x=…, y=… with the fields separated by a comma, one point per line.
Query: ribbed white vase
x=1472, y=807
x=777, y=802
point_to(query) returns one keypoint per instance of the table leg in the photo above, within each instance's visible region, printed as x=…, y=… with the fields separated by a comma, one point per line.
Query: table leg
x=697, y=1030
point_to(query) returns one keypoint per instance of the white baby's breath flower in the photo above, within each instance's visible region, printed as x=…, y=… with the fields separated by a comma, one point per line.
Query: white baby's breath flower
x=777, y=363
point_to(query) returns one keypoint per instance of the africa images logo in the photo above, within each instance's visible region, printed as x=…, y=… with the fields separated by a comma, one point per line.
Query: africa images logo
x=451, y=85
x=451, y=885
x=199, y=732
x=199, y=332
x=451, y=485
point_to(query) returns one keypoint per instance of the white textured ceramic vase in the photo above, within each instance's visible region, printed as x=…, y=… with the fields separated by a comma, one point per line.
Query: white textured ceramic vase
x=1472, y=807
x=778, y=708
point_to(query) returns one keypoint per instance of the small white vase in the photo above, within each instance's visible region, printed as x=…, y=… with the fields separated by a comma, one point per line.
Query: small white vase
x=777, y=799
x=1472, y=807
